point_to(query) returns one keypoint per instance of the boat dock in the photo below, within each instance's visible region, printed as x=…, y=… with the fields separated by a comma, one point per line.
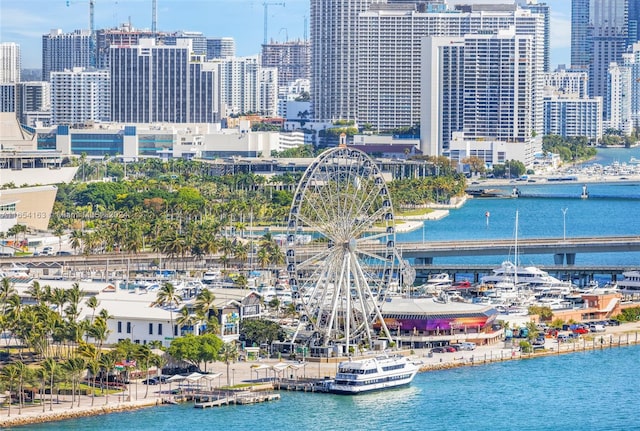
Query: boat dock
x=203, y=401
x=304, y=385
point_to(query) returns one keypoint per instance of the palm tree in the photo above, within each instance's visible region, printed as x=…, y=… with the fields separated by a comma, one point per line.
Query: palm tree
x=23, y=374
x=52, y=368
x=168, y=296
x=107, y=363
x=41, y=374
x=205, y=303
x=185, y=319
x=75, y=240
x=74, y=366
x=229, y=354
x=10, y=374
x=93, y=366
x=145, y=357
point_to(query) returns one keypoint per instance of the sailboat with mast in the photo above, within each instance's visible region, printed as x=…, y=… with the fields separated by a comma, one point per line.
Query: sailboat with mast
x=512, y=276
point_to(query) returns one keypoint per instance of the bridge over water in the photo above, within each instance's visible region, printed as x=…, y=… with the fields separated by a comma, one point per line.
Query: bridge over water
x=563, y=250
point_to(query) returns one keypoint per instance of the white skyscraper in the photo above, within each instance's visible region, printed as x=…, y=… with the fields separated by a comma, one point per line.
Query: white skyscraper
x=246, y=88
x=334, y=57
x=390, y=56
x=625, y=92
x=483, y=83
x=79, y=96
x=9, y=63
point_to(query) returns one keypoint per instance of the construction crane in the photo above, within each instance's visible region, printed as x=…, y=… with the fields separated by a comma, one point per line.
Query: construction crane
x=266, y=15
x=92, y=30
x=154, y=17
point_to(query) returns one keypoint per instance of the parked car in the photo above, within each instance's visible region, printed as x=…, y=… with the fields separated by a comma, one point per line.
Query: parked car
x=580, y=330
x=465, y=345
x=538, y=341
x=573, y=336
x=63, y=253
x=450, y=349
x=597, y=328
x=563, y=338
x=150, y=381
x=438, y=350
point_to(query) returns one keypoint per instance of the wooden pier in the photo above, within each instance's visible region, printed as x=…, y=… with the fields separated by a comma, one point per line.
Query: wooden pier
x=203, y=401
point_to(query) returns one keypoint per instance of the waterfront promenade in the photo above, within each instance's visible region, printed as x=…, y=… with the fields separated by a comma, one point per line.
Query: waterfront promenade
x=615, y=336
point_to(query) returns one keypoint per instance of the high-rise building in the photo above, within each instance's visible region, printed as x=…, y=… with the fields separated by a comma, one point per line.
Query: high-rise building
x=580, y=32
x=608, y=41
x=544, y=10
x=572, y=116
x=34, y=102
x=479, y=88
x=245, y=88
x=293, y=60
x=62, y=51
x=198, y=41
x=8, y=97
x=220, y=47
x=125, y=35
x=9, y=62
x=79, y=96
x=625, y=91
x=567, y=82
x=634, y=22
x=568, y=109
x=390, y=62
x=152, y=83
x=334, y=57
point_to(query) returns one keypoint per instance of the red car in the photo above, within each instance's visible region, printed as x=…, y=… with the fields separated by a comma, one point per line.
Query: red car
x=450, y=349
x=580, y=330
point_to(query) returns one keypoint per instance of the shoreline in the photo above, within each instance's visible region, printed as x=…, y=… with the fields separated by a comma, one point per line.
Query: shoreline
x=625, y=335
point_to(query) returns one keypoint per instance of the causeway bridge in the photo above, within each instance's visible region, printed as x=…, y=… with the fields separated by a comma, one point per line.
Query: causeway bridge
x=564, y=250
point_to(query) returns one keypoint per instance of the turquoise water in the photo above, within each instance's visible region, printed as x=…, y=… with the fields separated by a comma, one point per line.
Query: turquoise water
x=594, y=390
x=614, y=210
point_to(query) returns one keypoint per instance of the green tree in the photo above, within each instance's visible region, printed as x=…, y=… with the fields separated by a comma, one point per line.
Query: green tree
x=228, y=354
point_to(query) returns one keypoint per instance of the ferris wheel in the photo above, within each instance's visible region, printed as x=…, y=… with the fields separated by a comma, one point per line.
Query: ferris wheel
x=343, y=202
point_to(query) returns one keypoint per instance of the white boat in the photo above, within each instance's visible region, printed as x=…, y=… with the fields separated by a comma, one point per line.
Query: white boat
x=630, y=282
x=372, y=374
x=530, y=276
x=510, y=273
x=211, y=276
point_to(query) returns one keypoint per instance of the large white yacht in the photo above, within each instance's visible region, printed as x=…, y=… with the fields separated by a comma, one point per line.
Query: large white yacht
x=372, y=374
x=631, y=281
x=529, y=276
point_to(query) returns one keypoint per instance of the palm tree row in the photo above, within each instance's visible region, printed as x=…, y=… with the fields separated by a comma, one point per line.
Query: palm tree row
x=50, y=327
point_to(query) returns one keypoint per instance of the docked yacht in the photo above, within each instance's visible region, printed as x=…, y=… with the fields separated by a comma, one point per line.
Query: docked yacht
x=372, y=374
x=211, y=276
x=530, y=276
x=630, y=282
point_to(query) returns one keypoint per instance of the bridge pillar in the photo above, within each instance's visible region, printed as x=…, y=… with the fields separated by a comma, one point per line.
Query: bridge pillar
x=424, y=260
x=558, y=258
x=571, y=258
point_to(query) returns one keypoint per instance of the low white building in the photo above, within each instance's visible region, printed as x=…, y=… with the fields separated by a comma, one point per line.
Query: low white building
x=493, y=151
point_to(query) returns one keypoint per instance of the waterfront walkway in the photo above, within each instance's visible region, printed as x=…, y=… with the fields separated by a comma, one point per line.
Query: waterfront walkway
x=287, y=373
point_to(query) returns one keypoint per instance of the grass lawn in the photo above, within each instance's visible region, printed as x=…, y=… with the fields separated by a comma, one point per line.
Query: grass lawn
x=414, y=212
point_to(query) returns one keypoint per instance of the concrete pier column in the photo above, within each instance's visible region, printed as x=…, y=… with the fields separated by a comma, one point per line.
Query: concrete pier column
x=571, y=258
x=558, y=258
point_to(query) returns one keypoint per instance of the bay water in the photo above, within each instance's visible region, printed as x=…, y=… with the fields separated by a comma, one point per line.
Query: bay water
x=593, y=390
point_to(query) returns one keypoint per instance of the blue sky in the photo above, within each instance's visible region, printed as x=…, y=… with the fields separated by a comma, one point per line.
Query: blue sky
x=25, y=21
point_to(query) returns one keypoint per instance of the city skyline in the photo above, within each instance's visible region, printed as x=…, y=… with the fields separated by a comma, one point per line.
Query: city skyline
x=22, y=22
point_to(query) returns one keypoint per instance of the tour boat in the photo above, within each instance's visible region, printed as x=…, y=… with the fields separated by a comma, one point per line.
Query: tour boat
x=372, y=374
